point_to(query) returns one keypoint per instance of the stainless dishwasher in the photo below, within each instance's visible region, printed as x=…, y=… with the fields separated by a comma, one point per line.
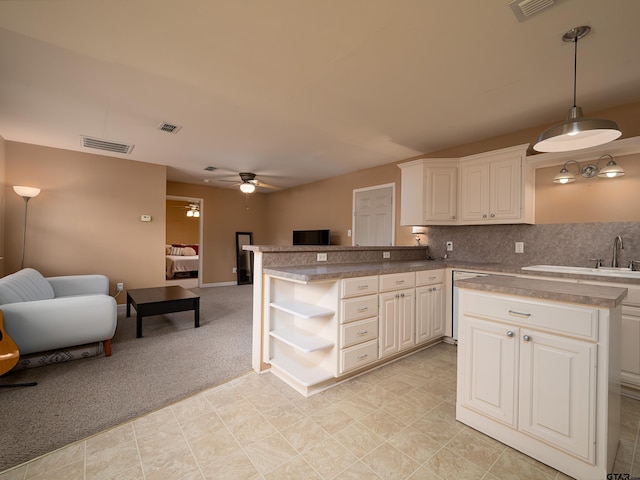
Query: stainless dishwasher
x=459, y=275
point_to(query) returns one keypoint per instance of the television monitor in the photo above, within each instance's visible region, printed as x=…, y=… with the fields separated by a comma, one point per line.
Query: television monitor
x=311, y=237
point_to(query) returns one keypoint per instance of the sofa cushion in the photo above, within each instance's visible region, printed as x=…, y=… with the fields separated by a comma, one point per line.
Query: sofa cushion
x=24, y=286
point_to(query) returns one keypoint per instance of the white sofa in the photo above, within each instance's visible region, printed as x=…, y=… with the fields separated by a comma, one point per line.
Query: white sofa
x=42, y=314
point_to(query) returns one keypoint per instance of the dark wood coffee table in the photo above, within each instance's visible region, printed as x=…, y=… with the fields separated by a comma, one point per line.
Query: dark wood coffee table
x=161, y=300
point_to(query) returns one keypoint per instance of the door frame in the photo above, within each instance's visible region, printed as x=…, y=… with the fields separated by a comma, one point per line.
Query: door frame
x=182, y=198
x=393, y=210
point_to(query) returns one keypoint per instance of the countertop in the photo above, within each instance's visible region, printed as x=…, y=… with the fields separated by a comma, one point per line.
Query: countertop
x=585, y=294
x=313, y=273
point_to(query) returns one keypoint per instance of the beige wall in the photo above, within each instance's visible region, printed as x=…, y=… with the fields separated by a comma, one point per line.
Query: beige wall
x=87, y=217
x=180, y=228
x=2, y=197
x=224, y=212
x=328, y=204
x=589, y=199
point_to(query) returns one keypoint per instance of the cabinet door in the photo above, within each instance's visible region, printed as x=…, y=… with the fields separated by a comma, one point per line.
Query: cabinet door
x=630, y=346
x=504, y=189
x=406, y=319
x=429, y=313
x=488, y=368
x=441, y=195
x=388, y=331
x=474, y=192
x=558, y=391
x=437, y=322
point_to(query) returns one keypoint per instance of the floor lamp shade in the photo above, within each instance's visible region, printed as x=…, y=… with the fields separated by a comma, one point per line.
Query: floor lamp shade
x=27, y=193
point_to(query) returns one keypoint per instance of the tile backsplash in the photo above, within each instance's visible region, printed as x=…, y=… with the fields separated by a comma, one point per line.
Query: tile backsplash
x=573, y=244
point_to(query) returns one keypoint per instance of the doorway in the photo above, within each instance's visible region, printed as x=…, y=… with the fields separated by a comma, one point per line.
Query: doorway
x=180, y=210
x=374, y=216
x=244, y=258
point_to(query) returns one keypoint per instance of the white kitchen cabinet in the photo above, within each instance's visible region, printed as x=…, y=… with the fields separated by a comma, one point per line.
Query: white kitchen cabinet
x=302, y=335
x=397, y=316
x=538, y=376
x=491, y=188
x=358, y=323
x=429, y=193
x=430, y=315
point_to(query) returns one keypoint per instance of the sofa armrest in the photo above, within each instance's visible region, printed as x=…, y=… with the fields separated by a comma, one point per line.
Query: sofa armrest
x=44, y=325
x=70, y=285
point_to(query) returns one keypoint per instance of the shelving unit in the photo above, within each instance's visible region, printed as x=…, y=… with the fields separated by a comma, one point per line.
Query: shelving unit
x=302, y=331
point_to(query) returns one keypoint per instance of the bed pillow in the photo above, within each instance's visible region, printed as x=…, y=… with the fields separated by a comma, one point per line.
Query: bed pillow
x=188, y=251
x=167, y=249
x=176, y=251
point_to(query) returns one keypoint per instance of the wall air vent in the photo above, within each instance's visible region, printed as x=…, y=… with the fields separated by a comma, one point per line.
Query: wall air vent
x=169, y=127
x=100, y=144
x=523, y=9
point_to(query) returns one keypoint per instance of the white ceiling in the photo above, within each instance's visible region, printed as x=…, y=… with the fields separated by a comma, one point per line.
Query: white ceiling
x=301, y=90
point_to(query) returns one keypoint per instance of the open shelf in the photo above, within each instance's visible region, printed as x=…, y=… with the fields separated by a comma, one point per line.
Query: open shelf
x=304, y=342
x=306, y=376
x=302, y=309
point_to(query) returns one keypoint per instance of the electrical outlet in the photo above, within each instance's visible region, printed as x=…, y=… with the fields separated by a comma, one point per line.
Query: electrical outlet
x=386, y=254
x=449, y=246
x=519, y=247
x=321, y=257
x=119, y=286
x=234, y=270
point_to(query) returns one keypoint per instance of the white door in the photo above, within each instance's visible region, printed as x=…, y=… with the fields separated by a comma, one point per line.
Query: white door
x=373, y=216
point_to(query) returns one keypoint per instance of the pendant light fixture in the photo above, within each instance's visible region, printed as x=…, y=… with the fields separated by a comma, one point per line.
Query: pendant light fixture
x=577, y=131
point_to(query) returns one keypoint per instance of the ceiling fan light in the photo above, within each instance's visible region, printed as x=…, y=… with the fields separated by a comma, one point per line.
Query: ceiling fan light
x=247, y=187
x=576, y=133
x=564, y=177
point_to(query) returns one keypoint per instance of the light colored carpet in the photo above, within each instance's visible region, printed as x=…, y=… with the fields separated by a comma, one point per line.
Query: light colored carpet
x=172, y=361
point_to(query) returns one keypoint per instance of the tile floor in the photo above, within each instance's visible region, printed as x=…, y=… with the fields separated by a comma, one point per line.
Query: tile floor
x=396, y=422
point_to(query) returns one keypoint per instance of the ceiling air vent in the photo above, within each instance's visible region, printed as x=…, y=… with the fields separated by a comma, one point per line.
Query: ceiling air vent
x=210, y=168
x=523, y=9
x=169, y=127
x=99, y=144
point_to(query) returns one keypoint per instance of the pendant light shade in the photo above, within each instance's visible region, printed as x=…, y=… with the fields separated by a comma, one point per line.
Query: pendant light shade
x=577, y=132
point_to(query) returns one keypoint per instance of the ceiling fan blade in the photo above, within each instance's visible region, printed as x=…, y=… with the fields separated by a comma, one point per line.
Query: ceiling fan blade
x=266, y=185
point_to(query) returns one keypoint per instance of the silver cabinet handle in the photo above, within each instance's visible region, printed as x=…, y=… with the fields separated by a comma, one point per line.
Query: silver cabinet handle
x=492, y=215
x=362, y=357
x=526, y=338
x=402, y=294
x=399, y=282
x=484, y=216
x=519, y=314
x=361, y=334
x=509, y=333
x=362, y=287
x=363, y=309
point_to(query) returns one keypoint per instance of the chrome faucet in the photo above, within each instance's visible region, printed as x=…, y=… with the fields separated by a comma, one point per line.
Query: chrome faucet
x=617, y=243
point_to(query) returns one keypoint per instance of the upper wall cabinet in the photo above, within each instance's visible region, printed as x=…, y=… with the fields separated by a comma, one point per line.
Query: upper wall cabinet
x=495, y=187
x=429, y=193
x=488, y=188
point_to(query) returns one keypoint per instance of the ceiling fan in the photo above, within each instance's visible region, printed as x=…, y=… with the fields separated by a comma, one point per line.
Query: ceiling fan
x=248, y=183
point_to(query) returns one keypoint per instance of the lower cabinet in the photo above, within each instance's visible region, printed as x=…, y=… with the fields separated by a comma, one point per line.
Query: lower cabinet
x=535, y=375
x=429, y=313
x=397, y=321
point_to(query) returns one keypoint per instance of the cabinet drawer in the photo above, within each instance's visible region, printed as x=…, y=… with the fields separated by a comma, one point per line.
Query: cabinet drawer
x=395, y=281
x=552, y=316
x=358, y=332
x=353, y=287
x=358, y=356
x=429, y=277
x=358, y=308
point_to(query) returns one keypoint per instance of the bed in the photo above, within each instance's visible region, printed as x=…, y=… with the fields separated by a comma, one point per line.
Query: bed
x=181, y=259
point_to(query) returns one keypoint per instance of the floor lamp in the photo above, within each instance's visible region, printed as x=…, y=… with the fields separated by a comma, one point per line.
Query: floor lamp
x=27, y=193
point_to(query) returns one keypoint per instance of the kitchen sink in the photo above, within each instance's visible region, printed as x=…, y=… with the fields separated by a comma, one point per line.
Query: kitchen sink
x=618, y=272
